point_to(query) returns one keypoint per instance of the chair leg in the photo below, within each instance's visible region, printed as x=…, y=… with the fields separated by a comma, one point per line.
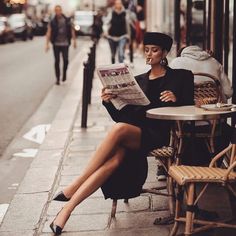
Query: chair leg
x=179, y=199
x=126, y=200
x=189, y=212
x=179, y=151
x=170, y=190
x=113, y=209
x=232, y=201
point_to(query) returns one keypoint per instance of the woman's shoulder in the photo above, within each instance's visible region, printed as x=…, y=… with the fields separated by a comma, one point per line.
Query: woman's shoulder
x=142, y=76
x=180, y=72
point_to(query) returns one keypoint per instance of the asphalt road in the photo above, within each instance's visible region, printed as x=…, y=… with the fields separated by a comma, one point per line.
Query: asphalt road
x=26, y=76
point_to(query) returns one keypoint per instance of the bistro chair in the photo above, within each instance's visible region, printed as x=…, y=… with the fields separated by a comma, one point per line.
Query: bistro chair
x=206, y=91
x=187, y=177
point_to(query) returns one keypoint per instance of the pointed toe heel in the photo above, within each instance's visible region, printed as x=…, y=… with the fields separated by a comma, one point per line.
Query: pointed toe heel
x=57, y=230
x=61, y=197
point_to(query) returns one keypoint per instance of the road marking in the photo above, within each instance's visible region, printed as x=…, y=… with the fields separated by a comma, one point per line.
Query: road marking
x=27, y=152
x=3, y=210
x=37, y=133
x=13, y=186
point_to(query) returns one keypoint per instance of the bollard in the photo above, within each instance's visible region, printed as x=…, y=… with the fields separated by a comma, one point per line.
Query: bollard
x=84, y=112
x=88, y=73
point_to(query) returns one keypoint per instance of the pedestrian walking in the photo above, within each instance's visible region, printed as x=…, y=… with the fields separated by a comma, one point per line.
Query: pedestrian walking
x=140, y=27
x=132, y=24
x=116, y=29
x=59, y=33
x=119, y=165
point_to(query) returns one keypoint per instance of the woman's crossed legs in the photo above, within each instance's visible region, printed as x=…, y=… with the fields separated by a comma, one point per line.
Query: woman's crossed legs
x=103, y=163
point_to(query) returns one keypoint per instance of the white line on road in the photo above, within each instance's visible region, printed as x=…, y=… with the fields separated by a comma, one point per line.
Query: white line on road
x=3, y=210
x=37, y=133
x=27, y=152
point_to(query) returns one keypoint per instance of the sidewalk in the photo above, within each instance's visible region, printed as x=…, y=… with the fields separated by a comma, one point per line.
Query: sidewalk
x=61, y=158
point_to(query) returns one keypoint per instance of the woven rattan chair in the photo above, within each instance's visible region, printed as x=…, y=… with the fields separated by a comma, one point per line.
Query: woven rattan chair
x=207, y=91
x=190, y=176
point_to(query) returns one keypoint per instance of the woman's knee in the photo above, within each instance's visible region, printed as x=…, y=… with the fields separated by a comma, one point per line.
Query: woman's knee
x=120, y=130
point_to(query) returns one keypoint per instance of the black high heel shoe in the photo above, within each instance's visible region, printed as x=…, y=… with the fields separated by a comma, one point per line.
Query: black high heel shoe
x=61, y=197
x=57, y=230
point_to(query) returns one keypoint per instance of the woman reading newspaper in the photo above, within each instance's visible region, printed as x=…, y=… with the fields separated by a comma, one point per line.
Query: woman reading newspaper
x=119, y=165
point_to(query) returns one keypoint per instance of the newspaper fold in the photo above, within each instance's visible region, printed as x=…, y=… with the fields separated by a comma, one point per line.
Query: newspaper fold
x=118, y=79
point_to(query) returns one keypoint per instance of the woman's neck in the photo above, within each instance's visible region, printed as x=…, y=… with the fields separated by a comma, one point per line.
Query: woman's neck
x=157, y=71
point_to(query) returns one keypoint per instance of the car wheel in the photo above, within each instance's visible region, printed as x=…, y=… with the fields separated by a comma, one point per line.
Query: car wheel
x=3, y=40
x=24, y=36
x=12, y=39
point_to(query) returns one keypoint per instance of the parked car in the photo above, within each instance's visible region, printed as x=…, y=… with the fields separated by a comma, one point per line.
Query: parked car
x=83, y=22
x=22, y=26
x=41, y=26
x=6, y=32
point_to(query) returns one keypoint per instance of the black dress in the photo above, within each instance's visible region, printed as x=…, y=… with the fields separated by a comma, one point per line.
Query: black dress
x=128, y=179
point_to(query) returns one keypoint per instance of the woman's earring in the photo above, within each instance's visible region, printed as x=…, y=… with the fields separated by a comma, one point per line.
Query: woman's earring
x=163, y=62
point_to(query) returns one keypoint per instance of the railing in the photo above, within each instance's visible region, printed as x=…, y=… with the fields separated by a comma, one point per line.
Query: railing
x=89, y=67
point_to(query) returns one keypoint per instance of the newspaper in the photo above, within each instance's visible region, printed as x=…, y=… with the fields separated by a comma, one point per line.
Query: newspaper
x=118, y=79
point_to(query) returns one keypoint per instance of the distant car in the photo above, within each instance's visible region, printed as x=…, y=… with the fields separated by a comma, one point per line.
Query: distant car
x=6, y=32
x=41, y=26
x=83, y=22
x=22, y=26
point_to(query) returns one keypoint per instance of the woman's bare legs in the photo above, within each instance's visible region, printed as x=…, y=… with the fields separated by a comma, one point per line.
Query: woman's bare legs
x=121, y=135
x=104, y=162
x=90, y=185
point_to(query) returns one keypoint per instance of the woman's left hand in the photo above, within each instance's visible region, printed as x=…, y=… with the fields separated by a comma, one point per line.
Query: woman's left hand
x=167, y=96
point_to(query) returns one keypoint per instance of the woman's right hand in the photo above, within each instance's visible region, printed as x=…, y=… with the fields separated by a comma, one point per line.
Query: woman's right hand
x=107, y=96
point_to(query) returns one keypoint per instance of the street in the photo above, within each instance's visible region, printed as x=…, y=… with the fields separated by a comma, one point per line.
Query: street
x=28, y=104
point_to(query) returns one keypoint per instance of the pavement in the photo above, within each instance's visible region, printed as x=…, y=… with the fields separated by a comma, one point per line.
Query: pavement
x=61, y=157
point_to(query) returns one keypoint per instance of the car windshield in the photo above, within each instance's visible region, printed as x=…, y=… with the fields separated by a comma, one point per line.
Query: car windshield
x=84, y=18
x=16, y=18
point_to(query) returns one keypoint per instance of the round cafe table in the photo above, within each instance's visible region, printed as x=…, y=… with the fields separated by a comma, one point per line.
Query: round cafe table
x=190, y=113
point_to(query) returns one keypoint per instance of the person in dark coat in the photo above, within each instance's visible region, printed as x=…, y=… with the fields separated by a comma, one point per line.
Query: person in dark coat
x=59, y=33
x=119, y=165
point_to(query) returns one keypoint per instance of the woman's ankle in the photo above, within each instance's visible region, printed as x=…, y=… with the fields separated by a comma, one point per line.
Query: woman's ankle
x=62, y=217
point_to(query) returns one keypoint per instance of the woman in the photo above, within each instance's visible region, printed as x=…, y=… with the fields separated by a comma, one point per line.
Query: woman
x=119, y=164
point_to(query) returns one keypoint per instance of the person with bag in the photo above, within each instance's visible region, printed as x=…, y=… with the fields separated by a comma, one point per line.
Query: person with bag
x=59, y=33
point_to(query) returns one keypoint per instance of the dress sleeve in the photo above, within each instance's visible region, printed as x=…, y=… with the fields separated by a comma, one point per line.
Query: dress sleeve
x=131, y=114
x=113, y=112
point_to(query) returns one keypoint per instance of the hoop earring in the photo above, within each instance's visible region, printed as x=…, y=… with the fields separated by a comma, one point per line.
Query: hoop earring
x=163, y=62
